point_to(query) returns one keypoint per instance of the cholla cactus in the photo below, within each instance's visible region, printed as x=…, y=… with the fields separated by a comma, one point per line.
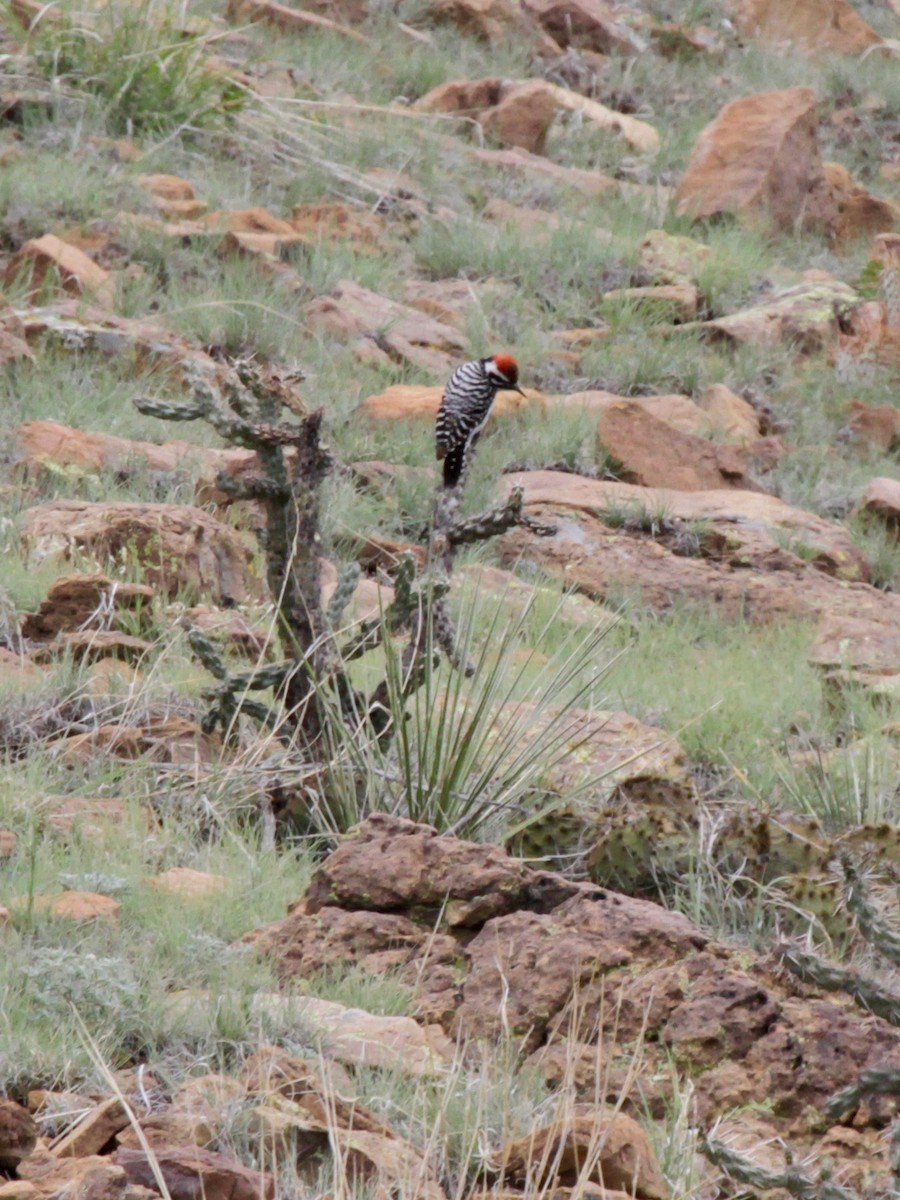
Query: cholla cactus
x=245, y=404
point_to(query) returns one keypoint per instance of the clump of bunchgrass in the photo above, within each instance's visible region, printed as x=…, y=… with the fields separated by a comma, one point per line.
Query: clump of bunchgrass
x=144, y=71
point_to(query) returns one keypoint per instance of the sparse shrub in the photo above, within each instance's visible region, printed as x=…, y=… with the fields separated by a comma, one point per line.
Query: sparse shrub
x=146, y=73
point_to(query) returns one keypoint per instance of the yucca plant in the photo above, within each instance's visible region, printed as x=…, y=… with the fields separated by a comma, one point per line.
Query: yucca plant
x=469, y=751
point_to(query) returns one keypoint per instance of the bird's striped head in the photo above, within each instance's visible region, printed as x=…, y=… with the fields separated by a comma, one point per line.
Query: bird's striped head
x=503, y=372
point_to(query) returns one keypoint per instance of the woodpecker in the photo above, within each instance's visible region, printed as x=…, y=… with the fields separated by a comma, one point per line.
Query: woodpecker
x=466, y=405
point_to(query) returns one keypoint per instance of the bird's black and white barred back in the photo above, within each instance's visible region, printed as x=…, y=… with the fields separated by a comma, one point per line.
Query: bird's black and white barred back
x=466, y=406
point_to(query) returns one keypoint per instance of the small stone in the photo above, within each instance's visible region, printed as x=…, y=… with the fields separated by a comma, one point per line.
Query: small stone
x=730, y=416
x=76, y=906
x=676, y=300
x=93, y=1131
x=188, y=884
x=166, y=187
x=882, y=499
x=522, y=118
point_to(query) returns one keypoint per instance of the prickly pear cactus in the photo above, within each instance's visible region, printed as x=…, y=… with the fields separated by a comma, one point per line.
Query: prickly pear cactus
x=639, y=843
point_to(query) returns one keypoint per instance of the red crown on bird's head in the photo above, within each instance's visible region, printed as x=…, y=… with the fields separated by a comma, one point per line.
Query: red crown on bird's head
x=507, y=366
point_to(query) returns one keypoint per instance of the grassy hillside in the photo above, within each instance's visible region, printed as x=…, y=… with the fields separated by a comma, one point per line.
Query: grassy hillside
x=254, y=116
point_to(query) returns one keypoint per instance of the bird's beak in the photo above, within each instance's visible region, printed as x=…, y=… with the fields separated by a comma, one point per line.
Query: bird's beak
x=514, y=387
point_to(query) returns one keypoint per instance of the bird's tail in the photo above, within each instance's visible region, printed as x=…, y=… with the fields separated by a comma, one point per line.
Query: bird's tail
x=454, y=465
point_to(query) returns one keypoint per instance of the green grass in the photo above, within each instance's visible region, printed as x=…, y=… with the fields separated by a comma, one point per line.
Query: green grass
x=117, y=974
x=716, y=692
x=750, y=711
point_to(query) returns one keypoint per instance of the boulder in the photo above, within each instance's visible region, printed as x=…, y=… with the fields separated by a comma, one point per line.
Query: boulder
x=469, y=97
x=598, y=1145
x=323, y=1096
x=363, y=1039
x=289, y=19
x=171, y=196
x=43, y=442
x=91, y=1133
x=522, y=117
x=469, y=882
x=404, y=401
x=91, y=818
x=739, y=559
x=304, y=944
x=585, y=24
x=811, y=26
x=758, y=159
x=637, y=133
x=315, y=223
x=77, y=602
x=18, y=669
x=853, y=212
x=552, y=962
x=111, y=677
x=523, y=967
x=652, y=453
x=671, y=258
x=848, y=639
x=534, y=166
x=881, y=499
x=166, y=187
x=13, y=347
x=18, y=1134
x=78, y=275
x=877, y=424
x=180, y=549
x=403, y=334
x=807, y=316
x=90, y=645
x=94, y=1177
x=229, y=628
x=190, y=1172
x=498, y=21
x=385, y=1164
x=160, y=739
x=247, y=221
x=457, y=301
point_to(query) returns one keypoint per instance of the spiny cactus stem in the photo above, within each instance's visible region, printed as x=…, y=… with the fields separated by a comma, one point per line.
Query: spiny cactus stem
x=876, y=932
x=208, y=654
x=343, y=593
x=833, y=978
x=251, y=487
x=166, y=410
x=881, y=1081
x=792, y=1180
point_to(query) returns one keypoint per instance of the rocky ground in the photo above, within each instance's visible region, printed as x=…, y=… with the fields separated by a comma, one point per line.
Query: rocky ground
x=612, y=913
